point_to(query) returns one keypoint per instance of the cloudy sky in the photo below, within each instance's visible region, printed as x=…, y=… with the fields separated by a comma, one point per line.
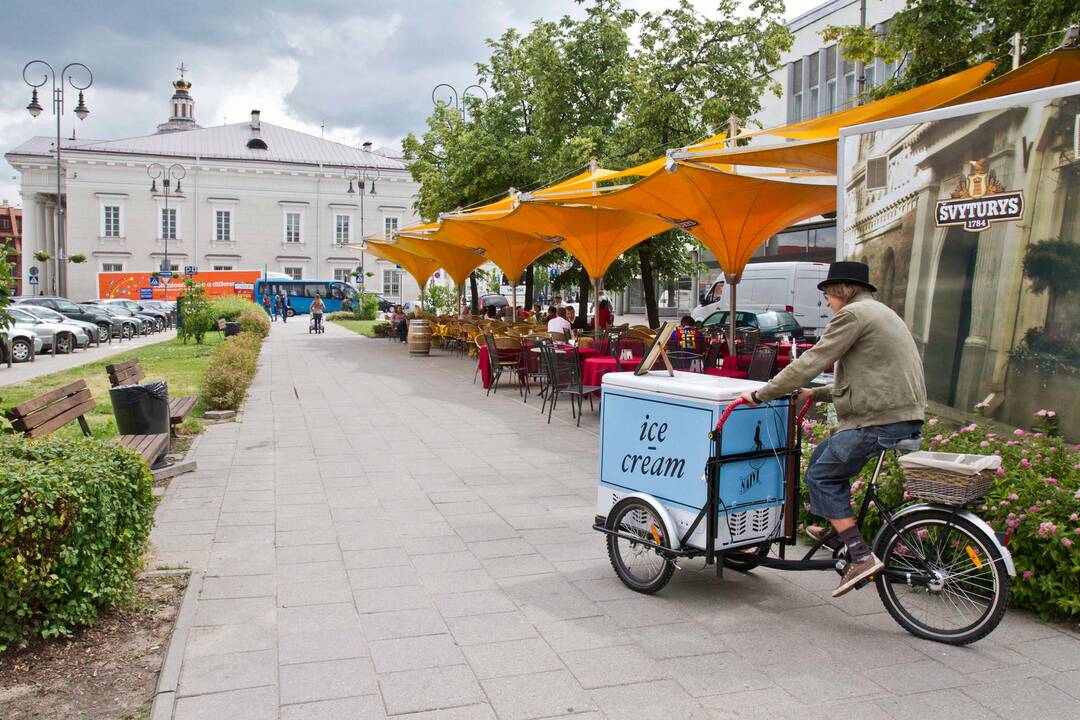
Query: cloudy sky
x=364, y=69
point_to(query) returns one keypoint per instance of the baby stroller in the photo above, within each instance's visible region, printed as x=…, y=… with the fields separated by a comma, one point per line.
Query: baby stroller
x=315, y=325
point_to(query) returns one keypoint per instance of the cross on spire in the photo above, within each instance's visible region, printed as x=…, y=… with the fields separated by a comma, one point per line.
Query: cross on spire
x=182, y=68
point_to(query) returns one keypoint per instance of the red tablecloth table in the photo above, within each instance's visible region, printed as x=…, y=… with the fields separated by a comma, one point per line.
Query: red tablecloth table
x=485, y=366
x=593, y=369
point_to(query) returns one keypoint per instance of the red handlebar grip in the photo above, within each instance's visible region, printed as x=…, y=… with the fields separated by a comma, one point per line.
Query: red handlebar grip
x=727, y=412
x=802, y=413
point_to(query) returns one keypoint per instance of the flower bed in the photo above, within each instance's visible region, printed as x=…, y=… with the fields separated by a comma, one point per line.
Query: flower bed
x=1036, y=498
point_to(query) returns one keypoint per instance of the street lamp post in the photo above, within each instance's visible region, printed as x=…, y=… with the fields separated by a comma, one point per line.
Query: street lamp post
x=363, y=177
x=81, y=111
x=176, y=172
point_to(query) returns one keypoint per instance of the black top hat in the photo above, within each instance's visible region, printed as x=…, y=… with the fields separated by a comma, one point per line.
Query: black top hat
x=855, y=273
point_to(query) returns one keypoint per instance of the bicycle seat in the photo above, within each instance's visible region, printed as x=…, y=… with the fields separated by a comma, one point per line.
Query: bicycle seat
x=908, y=444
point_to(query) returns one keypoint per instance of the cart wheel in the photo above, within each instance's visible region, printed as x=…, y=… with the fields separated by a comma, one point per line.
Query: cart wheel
x=747, y=558
x=641, y=567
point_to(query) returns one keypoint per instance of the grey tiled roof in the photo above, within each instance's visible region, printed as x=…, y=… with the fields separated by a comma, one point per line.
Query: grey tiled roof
x=228, y=142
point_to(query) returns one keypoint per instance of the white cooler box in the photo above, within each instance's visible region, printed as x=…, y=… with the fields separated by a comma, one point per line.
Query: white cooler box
x=654, y=439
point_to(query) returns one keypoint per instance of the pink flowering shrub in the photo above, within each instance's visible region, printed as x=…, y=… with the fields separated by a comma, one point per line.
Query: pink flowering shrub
x=1036, y=497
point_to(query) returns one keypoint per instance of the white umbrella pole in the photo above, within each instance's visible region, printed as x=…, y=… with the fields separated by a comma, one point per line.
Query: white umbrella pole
x=732, y=281
x=598, y=282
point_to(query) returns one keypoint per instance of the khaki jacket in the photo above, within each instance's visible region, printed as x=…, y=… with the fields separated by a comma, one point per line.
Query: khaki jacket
x=879, y=373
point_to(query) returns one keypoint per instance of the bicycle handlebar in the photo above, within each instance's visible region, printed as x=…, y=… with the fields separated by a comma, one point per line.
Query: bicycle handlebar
x=740, y=401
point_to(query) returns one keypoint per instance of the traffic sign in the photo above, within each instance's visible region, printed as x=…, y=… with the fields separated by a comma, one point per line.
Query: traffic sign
x=165, y=273
x=146, y=293
x=32, y=271
x=34, y=279
x=154, y=282
x=191, y=270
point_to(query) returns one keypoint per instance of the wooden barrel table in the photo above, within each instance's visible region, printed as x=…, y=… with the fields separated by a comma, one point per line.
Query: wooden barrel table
x=419, y=337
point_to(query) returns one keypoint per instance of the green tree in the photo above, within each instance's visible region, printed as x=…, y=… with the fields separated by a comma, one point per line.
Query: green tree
x=692, y=75
x=7, y=284
x=934, y=38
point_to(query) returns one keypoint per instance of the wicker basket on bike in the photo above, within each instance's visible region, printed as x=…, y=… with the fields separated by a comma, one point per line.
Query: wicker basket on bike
x=950, y=478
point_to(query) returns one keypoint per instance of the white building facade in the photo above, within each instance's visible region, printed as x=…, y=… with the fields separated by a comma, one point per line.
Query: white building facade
x=254, y=196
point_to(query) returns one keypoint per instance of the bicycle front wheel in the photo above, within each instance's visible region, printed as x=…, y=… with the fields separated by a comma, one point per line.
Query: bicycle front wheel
x=641, y=567
x=944, y=579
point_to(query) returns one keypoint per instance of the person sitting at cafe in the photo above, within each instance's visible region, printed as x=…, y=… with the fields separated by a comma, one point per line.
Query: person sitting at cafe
x=687, y=336
x=399, y=323
x=557, y=322
x=578, y=323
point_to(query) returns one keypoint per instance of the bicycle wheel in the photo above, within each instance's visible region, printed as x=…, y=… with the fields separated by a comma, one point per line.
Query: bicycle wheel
x=965, y=593
x=641, y=568
x=747, y=558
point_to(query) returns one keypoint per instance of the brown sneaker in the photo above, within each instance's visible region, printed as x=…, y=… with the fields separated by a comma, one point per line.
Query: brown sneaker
x=818, y=534
x=855, y=572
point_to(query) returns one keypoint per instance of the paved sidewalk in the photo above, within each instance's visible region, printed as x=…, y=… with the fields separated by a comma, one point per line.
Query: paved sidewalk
x=381, y=539
x=46, y=363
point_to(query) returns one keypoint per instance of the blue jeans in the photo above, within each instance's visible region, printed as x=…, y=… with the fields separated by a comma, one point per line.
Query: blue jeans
x=840, y=458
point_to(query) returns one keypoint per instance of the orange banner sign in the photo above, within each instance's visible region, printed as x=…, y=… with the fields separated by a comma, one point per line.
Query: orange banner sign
x=145, y=286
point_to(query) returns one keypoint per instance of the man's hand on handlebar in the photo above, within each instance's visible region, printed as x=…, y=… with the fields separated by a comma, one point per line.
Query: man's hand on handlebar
x=803, y=397
x=746, y=397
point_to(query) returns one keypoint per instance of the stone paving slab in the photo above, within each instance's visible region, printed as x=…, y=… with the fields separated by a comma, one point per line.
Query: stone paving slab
x=382, y=540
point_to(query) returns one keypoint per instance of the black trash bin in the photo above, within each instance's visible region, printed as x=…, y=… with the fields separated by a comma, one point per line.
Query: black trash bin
x=141, y=409
x=232, y=328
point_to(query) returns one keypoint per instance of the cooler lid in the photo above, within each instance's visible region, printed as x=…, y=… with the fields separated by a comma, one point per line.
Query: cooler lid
x=685, y=384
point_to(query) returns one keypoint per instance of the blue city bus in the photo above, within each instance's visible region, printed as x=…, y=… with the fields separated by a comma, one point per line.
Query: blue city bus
x=301, y=293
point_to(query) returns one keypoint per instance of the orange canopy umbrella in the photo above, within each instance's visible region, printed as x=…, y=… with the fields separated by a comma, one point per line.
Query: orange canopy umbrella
x=1054, y=68
x=732, y=215
x=419, y=266
x=511, y=251
x=818, y=155
x=456, y=260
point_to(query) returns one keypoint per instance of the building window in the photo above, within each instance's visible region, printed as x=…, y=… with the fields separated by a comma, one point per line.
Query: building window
x=343, y=274
x=390, y=225
x=168, y=223
x=170, y=267
x=111, y=226
x=795, y=83
x=877, y=172
x=112, y=267
x=869, y=76
x=391, y=282
x=850, y=89
x=5, y=223
x=814, y=81
x=223, y=230
x=292, y=227
x=342, y=229
x=830, y=79
x=219, y=268
x=296, y=273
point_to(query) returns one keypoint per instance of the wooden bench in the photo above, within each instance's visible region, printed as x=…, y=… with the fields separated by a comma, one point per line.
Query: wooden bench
x=130, y=372
x=42, y=415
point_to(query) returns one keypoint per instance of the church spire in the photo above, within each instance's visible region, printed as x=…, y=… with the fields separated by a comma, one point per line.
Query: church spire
x=181, y=106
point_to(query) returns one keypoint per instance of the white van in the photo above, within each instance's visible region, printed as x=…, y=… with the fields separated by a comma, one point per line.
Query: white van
x=790, y=286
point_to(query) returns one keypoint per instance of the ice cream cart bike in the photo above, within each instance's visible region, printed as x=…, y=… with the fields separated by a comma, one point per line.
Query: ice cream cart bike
x=687, y=470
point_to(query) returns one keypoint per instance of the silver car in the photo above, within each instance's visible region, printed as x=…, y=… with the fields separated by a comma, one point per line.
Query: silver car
x=52, y=316
x=24, y=343
x=64, y=332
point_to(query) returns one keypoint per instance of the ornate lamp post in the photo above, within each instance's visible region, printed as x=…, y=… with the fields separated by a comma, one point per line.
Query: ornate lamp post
x=453, y=99
x=365, y=183
x=176, y=172
x=81, y=111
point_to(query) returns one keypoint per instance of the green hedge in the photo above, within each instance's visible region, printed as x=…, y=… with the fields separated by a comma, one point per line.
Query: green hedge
x=74, y=519
x=231, y=370
x=231, y=307
x=1036, y=496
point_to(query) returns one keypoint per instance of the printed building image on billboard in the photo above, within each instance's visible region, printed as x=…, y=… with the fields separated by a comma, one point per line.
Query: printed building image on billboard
x=970, y=224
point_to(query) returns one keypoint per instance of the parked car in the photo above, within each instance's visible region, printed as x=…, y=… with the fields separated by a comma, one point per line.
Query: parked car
x=384, y=304
x=67, y=336
x=147, y=323
x=51, y=316
x=105, y=325
x=166, y=306
x=787, y=286
x=497, y=301
x=161, y=318
x=121, y=326
x=24, y=344
x=772, y=324
x=408, y=307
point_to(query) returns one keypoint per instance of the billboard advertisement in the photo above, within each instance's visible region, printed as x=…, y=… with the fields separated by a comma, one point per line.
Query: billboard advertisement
x=969, y=218
x=149, y=286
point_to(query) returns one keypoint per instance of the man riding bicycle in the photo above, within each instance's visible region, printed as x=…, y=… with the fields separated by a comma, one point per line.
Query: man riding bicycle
x=879, y=394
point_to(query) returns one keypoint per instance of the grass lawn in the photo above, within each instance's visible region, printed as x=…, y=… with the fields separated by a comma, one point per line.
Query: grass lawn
x=360, y=327
x=182, y=366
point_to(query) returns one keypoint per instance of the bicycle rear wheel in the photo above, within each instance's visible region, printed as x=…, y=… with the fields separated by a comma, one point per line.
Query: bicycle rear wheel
x=641, y=567
x=963, y=596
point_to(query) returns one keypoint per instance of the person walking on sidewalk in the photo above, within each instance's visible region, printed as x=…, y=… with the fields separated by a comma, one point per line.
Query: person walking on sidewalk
x=317, y=308
x=268, y=306
x=282, y=304
x=879, y=393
